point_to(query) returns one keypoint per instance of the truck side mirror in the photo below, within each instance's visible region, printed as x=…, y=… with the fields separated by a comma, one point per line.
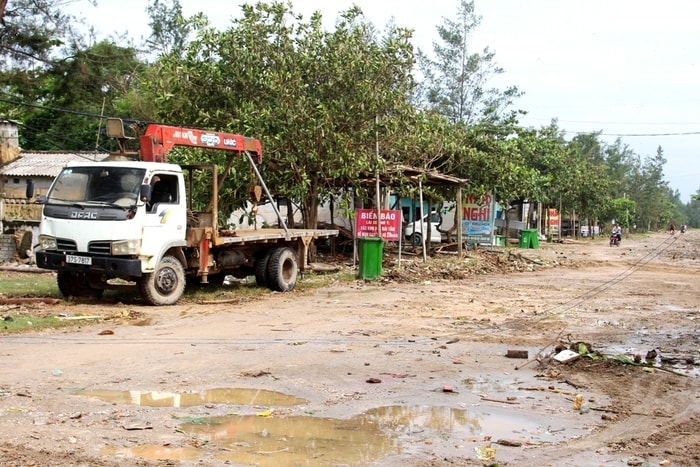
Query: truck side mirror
x=41, y=199
x=145, y=193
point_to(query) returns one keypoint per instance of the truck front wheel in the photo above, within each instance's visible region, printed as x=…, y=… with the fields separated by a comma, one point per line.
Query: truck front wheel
x=282, y=269
x=76, y=284
x=165, y=285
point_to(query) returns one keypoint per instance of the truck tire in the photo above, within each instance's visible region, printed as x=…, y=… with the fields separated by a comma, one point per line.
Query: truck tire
x=282, y=269
x=165, y=285
x=75, y=284
x=261, y=262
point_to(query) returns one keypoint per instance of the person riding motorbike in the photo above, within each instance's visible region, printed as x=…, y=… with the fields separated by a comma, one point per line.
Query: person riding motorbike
x=617, y=233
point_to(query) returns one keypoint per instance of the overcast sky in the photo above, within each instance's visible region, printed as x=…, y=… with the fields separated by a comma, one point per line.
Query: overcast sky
x=627, y=68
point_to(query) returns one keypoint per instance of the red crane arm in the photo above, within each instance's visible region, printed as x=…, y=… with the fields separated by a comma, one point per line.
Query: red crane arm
x=158, y=140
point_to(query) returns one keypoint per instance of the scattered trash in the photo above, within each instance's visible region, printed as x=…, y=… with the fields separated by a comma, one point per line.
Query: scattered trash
x=485, y=453
x=137, y=427
x=578, y=402
x=264, y=413
x=255, y=373
x=57, y=372
x=106, y=332
x=447, y=388
x=373, y=380
x=566, y=356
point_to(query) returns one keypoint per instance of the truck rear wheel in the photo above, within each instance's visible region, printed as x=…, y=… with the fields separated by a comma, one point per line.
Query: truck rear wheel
x=282, y=269
x=261, y=262
x=75, y=284
x=165, y=285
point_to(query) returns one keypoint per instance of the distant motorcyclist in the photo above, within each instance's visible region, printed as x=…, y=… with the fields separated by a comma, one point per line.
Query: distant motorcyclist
x=683, y=228
x=617, y=232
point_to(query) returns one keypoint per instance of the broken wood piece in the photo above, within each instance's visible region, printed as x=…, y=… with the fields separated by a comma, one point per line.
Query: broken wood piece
x=517, y=354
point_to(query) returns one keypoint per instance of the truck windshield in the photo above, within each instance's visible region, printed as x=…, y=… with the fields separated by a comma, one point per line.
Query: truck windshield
x=98, y=184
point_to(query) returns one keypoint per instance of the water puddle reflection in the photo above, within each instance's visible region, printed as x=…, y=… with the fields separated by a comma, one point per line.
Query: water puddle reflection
x=212, y=396
x=300, y=439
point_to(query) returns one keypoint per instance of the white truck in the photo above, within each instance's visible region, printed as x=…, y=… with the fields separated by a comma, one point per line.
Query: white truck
x=133, y=218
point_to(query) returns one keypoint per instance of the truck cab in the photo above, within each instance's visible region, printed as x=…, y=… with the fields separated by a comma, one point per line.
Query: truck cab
x=110, y=220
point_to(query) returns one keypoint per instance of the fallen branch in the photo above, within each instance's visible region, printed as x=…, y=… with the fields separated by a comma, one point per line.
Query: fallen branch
x=488, y=399
x=625, y=412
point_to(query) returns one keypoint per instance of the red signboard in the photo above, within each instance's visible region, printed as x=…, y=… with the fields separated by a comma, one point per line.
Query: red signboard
x=366, y=224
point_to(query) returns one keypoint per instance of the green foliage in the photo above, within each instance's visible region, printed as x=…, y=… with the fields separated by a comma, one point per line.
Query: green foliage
x=314, y=97
x=73, y=92
x=456, y=79
x=33, y=33
x=329, y=105
x=29, y=285
x=18, y=323
x=622, y=211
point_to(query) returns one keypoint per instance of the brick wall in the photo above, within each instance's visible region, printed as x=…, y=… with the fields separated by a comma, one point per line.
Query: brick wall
x=8, y=247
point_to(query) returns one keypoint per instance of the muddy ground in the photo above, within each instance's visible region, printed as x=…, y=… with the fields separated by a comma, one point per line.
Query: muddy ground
x=412, y=369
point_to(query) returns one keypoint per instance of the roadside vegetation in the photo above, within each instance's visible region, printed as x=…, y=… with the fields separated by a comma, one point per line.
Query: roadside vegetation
x=330, y=105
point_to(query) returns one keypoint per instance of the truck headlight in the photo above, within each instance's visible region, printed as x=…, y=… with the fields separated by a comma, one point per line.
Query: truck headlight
x=47, y=242
x=126, y=247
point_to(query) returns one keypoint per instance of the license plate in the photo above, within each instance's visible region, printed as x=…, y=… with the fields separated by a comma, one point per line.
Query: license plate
x=73, y=259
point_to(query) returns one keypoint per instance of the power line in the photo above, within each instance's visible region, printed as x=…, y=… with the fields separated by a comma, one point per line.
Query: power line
x=687, y=133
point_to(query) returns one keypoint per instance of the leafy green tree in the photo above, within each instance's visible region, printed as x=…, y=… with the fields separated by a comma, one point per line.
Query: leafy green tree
x=692, y=210
x=318, y=99
x=171, y=31
x=654, y=208
x=587, y=187
x=74, y=93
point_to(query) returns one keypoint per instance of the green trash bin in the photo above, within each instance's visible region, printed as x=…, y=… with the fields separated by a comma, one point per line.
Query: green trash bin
x=500, y=240
x=371, y=253
x=528, y=238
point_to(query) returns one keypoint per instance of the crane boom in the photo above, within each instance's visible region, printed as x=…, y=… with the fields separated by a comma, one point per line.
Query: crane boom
x=158, y=139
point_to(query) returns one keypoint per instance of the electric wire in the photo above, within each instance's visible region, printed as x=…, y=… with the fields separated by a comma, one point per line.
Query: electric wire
x=579, y=299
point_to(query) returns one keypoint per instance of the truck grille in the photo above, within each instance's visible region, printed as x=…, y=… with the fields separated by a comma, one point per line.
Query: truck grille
x=63, y=244
x=99, y=248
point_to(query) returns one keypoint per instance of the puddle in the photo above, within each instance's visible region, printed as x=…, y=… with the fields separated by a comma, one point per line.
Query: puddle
x=385, y=431
x=212, y=396
x=153, y=452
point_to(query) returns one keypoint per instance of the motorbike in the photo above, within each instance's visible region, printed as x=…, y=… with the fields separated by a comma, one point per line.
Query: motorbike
x=615, y=240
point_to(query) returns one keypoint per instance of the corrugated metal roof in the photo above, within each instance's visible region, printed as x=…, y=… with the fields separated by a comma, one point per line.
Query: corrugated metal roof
x=46, y=164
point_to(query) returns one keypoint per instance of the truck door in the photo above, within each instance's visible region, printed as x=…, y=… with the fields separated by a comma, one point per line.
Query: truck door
x=166, y=215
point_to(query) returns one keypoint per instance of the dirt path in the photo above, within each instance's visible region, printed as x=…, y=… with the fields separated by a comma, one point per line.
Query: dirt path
x=411, y=370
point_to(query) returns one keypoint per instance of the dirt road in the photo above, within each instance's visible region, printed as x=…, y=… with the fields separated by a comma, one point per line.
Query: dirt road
x=409, y=370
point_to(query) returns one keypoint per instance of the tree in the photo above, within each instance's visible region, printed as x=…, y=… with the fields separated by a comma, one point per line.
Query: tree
x=170, y=30
x=73, y=94
x=654, y=208
x=455, y=82
x=314, y=97
x=32, y=31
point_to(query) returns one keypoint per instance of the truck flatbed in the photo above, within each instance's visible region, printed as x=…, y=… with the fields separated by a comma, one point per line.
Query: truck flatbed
x=242, y=236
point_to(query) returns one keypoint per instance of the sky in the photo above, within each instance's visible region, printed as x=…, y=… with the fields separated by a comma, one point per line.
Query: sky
x=629, y=69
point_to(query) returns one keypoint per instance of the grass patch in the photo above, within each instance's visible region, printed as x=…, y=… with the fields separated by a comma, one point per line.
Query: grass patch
x=16, y=284
x=24, y=323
